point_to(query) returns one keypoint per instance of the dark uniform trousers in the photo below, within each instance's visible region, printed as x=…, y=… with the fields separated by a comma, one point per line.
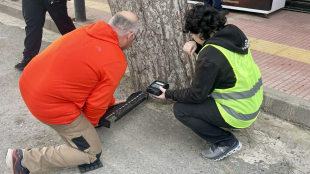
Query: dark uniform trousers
x=34, y=14
x=217, y=4
x=205, y=120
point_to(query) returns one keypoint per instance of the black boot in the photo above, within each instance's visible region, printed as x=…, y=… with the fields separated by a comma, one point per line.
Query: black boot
x=21, y=65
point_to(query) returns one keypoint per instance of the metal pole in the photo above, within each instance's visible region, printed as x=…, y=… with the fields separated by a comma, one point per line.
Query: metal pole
x=80, y=14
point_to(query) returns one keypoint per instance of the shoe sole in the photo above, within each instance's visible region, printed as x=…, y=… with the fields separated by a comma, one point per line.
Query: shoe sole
x=234, y=130
x=9, y=160
x=234, y=150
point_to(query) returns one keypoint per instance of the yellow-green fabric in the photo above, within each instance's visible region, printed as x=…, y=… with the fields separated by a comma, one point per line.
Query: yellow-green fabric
x=240, y=105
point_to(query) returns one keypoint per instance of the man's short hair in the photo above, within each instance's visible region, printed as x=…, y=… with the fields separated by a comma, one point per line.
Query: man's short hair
x=123, y=25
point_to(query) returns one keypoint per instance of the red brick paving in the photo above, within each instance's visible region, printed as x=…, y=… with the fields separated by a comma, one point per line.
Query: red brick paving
x=282, y=27
x=289, y=76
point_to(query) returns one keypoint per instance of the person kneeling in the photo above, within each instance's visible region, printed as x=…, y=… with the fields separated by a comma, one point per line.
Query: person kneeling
x=68, y=87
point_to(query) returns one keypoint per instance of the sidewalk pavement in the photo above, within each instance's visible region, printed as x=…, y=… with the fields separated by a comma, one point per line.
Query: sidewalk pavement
x=149, y=139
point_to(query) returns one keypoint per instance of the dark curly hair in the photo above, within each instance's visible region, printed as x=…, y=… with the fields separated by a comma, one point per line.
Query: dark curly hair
x=203, y=19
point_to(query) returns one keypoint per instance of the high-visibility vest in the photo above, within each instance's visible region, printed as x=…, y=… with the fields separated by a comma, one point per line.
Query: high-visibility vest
x=240, y=105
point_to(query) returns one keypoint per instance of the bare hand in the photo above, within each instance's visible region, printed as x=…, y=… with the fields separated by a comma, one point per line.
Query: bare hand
x=162, y=96
x=118, y=102
x=190, y=47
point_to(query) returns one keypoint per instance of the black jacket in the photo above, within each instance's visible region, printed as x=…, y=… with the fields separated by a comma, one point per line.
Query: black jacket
x=212, y=68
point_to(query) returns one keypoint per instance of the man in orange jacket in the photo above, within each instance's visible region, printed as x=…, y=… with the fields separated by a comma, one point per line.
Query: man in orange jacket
x=69, y=86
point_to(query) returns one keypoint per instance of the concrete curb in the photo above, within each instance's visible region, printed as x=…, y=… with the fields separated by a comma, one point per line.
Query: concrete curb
x=275, y=103
x=287, y=107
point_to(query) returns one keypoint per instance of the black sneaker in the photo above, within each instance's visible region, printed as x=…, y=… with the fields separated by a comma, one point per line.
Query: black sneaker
x=217, y=153
x=13, y=161
x=224, y=12
x=20, y=66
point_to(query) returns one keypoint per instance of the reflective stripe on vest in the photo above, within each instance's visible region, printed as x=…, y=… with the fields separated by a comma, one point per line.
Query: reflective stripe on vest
x=238, y=95
x=243, y=117
x=240, y=105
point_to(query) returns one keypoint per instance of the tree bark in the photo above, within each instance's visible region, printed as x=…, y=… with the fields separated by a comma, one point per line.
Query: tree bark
x=158, y=55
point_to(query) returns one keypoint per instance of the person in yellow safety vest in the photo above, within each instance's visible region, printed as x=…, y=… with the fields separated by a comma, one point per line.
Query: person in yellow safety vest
x=226, y=90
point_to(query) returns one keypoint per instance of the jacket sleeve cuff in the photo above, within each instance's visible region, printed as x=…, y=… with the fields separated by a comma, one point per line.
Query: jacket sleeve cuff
x=199, y=47
x=168, y=94
x=112, y=102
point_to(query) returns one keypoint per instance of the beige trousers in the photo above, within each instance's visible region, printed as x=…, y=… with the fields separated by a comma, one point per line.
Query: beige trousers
x=82, y=146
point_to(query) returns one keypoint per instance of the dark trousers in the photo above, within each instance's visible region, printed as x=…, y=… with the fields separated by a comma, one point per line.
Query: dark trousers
x=34, y=14
x=217, y=4
x=205, y=120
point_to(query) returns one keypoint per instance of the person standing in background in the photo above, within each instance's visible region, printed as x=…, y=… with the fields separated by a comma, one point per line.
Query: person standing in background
x=34, y=14
x=217, y=4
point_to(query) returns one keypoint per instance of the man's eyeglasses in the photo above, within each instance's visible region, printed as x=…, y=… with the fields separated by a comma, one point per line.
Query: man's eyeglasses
x=136, y=36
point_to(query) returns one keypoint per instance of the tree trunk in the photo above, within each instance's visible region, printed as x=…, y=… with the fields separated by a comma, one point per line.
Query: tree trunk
x=158, y=55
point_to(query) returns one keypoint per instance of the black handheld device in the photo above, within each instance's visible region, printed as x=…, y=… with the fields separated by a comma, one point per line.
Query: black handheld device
x=154, y=87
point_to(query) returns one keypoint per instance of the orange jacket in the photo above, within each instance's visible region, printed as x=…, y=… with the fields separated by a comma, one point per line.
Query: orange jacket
x=78, y=72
